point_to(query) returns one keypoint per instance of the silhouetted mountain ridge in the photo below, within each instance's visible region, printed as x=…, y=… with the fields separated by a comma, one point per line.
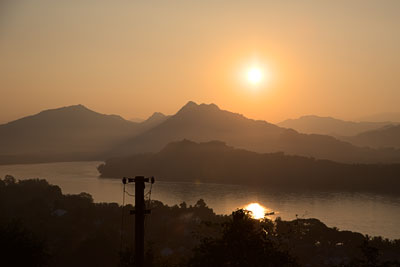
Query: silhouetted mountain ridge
x=329, y=126
x=381, y=117
x=203, y=123
x=388, y=136
x=152, y=121
x=78, y=133
x=73, y=130
x=215, y=162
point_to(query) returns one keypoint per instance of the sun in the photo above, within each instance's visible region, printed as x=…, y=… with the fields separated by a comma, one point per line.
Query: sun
x=254, y=75
x=257, y=211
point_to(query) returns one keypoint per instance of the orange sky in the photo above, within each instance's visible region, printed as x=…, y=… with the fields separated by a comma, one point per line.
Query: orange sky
x=337, y=58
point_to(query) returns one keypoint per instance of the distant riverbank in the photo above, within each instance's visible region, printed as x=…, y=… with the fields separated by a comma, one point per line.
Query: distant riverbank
x=216, y=162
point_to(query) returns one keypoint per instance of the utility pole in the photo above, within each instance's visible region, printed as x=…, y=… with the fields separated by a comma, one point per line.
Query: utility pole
x=139, y=212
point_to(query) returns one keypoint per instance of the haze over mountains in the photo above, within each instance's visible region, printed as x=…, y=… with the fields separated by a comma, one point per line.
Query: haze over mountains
x=203, y=123
x=67, y=133
x=382, y=117
x=388, y=136
x=77, y=133
x=312, y=124
x=153, y=121
x=384, y=134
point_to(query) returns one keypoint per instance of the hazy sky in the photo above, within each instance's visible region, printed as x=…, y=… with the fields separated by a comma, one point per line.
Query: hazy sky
x=127, y=57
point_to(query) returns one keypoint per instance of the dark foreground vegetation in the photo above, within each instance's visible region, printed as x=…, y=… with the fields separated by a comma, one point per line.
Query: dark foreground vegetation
x=39, y=226
x=215, y=162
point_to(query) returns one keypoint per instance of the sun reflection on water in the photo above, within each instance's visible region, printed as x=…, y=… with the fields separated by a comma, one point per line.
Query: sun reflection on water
x=257, y=211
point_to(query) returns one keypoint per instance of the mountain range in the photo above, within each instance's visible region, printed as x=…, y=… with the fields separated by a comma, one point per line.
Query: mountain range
x=203, y=123
x=382, y=117
x=67, y=133
x=387, y=136
x=312, y=124
x=77, y=133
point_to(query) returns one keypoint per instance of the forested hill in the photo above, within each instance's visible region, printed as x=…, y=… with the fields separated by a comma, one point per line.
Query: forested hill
x=215, y=162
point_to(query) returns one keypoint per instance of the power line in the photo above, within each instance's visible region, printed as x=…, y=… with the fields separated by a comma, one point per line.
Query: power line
x=122, y=219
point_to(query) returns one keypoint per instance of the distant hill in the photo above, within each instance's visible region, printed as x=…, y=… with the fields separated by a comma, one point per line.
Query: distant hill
x=215, y=162
x=203, y=123
x=152, y=121
x=388, y=136
x=382, y=117
x=137, y=120
x=68, y=133
x=329, y=126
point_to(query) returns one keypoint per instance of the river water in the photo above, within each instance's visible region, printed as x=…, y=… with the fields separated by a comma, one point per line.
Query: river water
x=361, y=212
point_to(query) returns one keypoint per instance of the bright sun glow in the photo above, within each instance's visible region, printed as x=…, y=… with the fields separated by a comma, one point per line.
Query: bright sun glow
x=257, y=211
x=254, y=75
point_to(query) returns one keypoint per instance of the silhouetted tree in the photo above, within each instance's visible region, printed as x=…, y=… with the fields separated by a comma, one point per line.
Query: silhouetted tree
x=243, y=242
x=47, y=227
x=20, y=247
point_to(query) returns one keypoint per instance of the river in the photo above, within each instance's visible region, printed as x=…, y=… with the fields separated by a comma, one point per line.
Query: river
x=361, y=212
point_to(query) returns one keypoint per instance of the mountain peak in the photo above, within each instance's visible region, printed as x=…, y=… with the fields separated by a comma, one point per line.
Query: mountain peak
x=156, y=116
x=193, y=106
x=72, y=108
x=78, y=106
x=75, y=107
x=210, y=106
x=317, y=117
x=190, y=104
x=73, y=112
